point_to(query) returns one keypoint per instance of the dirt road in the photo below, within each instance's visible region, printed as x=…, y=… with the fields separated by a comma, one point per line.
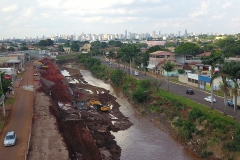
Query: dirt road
x=20, y=119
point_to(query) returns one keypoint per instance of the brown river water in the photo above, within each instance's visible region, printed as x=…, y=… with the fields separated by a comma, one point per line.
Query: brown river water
x=142, y=141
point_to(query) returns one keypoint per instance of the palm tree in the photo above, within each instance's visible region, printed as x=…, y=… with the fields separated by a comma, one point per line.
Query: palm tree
x=225, y=85
x=214, y=60
x=233, y=71
x=110, y=55
x=168, y=66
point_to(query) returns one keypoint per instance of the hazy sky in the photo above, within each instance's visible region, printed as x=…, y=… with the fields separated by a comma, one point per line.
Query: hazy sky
x=31, y=18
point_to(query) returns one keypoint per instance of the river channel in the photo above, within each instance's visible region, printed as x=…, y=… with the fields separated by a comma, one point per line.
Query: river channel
x=142, y=141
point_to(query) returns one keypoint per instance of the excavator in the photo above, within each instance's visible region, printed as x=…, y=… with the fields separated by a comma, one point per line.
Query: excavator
x=98, y=104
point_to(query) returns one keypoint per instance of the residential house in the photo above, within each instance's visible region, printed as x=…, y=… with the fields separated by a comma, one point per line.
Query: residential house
x=86, y=47
x=67, y=49
x=154, y=43
x=157, y=60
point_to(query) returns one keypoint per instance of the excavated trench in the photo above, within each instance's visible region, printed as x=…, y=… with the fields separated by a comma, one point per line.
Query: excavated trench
x=87, y=133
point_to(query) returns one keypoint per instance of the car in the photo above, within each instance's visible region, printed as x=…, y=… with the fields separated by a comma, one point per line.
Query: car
x=10, y=139
x=230, y=103
x=136, y=73
x=189, y=91
x=209, y=99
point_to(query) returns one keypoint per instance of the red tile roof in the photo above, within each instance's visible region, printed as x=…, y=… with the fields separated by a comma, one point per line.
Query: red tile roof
x=162, y=53
x=204, y=54
x=155, y=43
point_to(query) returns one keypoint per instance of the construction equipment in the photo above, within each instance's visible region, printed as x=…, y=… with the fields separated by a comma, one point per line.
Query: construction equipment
x=44, y=66
x=37, y=63
x=98, y=104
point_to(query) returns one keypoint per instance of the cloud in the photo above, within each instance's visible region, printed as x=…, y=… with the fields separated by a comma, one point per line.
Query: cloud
x=10, y=8
x=28, y=12
x=219, y=16
x=228, y=4
x=203, y=10
x=8, y=18
x=54, y=4
x=45, y=15
x=235, y=19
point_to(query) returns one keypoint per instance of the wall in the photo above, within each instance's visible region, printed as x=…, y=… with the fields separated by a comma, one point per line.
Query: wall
x=184, y=79
x=174, y=73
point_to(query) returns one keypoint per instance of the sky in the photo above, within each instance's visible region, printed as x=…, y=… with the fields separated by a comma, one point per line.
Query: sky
x=33, y=18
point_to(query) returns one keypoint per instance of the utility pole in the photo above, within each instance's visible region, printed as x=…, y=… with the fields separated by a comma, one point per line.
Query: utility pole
x=2, y=98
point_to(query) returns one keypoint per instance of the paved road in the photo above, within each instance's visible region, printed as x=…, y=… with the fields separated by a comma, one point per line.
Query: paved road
x=19, y=120
x=178, y=89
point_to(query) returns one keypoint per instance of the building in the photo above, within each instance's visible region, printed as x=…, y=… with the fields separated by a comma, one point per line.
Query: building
x=154, y=43
x=158, y=59
x=67, y=49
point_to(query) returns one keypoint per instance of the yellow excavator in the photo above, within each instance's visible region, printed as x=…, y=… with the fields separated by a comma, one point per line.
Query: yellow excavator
x=98, y=104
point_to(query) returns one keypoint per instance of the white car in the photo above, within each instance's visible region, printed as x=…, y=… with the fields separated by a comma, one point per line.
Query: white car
x=210, y=99
x=10, y=139
x=136, y=73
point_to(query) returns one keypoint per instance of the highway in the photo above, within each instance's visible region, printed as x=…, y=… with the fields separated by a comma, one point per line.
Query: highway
x=178, y=88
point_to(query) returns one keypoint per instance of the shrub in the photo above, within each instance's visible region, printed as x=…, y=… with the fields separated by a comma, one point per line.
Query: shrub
x=181, y=71
x=145, y=84
x=140, y=95
x=154, y=108
x=117, y=77
x=178, y=122
x=205, y=153
x=194, y=114
x=161, y=102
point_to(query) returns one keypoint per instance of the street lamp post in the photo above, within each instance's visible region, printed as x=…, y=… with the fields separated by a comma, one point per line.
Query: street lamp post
x=2, y=98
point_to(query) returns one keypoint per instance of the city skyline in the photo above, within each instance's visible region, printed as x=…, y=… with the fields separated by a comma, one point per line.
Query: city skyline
x=43, y=17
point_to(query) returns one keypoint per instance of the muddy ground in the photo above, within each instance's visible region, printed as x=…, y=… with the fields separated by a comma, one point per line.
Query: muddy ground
x=86, y=133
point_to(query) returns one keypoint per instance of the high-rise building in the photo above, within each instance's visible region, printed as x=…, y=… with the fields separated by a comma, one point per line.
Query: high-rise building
x=179, y=33
x=186, y=34
x=125, y=34
x=153, y=34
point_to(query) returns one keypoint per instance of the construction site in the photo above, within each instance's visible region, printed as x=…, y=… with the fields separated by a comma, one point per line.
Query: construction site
x=85, y=115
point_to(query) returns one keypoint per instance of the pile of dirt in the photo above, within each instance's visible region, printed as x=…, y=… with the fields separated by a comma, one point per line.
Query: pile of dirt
x=86, y=132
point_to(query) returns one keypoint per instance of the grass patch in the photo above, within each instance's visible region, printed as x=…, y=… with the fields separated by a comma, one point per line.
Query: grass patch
x=10, y=100
x=1, y=126
x=208, y=112
x=154, y=109
x=173, y=79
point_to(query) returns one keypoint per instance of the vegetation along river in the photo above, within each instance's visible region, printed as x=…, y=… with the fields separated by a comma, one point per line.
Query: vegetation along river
x=142, y=141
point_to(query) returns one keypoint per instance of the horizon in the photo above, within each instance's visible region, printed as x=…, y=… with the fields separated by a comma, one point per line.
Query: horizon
x=43, y=17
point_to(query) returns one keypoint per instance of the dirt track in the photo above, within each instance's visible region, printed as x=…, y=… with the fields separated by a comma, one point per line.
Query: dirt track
x=46, y=142
x=19, y=119
x=86, y=132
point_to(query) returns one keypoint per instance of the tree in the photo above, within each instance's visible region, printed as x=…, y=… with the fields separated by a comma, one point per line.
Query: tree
x=46, y=42
x=5, y=83
x=189, y=49
x=223, y=72
x=60, y=48
x=23, y=48
x=214, y=60
x=11, y=49
x=117, y=77
x=3, y=49
x=233, y=72
x=75, y=46
x=115, y=43
x=168, y=67
x=110, y=56
x=127, y=53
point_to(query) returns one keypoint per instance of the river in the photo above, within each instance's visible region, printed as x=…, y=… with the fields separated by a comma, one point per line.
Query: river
x=142, y=141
